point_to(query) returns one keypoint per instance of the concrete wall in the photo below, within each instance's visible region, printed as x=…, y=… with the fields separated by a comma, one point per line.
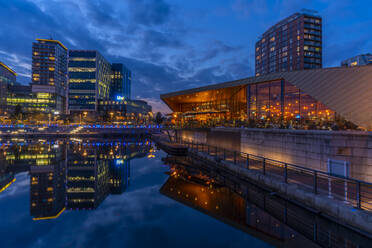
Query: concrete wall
x=310, y=149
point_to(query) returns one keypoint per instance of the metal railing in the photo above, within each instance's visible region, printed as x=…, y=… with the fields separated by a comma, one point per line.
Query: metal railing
x=351, y=191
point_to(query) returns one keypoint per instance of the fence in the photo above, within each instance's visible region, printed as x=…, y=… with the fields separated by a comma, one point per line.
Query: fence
x=350, y=191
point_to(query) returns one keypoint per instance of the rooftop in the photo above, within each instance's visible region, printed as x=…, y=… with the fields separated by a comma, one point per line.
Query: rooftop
x=8, y=68
x=53, y=41
x=346, y=90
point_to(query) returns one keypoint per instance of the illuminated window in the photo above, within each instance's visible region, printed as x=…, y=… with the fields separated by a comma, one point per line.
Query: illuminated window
x=81, y=69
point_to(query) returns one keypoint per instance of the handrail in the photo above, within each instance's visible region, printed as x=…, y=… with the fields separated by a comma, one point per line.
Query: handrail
x=351, y=191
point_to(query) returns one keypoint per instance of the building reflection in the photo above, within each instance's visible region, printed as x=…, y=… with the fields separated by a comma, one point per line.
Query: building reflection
x=254, y=211
x=72, y=175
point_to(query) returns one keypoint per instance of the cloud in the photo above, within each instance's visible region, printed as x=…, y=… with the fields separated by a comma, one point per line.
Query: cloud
x=150, y=12
x=168, y=45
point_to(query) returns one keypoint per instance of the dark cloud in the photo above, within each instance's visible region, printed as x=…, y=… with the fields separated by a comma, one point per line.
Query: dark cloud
x=167, y=46
x=150, y=12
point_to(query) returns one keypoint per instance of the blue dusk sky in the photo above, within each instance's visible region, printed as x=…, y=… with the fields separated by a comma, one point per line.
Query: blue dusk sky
x=174, y=44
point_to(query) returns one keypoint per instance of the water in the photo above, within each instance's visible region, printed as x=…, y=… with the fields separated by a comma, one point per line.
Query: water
x=131, y=214
x=126, y=193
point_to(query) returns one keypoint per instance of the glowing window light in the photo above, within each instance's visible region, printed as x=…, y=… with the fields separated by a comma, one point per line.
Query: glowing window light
x=7, y=186
x=50, y=217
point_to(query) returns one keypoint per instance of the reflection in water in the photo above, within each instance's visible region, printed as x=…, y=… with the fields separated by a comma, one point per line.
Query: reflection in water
x=70, y=174
x=253, y=210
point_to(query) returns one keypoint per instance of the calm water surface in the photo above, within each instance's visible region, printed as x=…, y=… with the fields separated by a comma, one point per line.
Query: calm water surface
x=100, y=193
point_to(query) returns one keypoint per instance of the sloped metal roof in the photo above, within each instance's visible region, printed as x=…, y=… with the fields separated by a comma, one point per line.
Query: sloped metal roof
x=345, y=90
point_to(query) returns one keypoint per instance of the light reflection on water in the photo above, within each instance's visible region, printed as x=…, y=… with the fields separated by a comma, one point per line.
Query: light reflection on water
x=98, y=193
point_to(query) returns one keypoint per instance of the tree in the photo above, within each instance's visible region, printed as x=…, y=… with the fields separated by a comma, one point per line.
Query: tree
x=17, y=114
x=159, y=118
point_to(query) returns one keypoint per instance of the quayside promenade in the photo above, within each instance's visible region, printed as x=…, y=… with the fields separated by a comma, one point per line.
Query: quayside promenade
x=344, y=199
x=313, y=149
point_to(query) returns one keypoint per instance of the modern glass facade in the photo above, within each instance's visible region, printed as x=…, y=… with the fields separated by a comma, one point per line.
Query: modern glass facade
x=276, y=102
x=279, y=102
x=7, y=77
x=294, y=43
x=363, y=59
x=121, y=82
x=135, y=111
x=89, y=80
x=30, y=102
x=49, y=72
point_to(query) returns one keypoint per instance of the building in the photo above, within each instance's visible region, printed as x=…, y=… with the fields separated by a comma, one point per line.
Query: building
x=363, y=59
x=294, y=43
x=306, y=99
x=49, y=73
x=131, y=111
x=134, y=111
x=30, y=102
x=121, y=82
x=7, y=77
x=89, y=80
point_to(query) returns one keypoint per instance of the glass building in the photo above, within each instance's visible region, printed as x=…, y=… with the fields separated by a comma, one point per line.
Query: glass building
x=49, y=73
x=7, y=77
x=30, y=102
x=134, y=111
x=301, y=99
x=121, y=82
x=363, y=59
x=294, y=43
x=89, y=80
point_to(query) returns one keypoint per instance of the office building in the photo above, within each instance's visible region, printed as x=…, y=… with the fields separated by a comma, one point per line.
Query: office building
x=30, y=102
x=89, y=80
x=134, y=111
x=294, y=43
x=7, y=77
x=121, y=82
x=49, y=73
x=307, y=98
x=363, y=59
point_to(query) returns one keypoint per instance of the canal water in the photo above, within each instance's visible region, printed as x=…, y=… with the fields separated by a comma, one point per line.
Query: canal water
x=126, y=193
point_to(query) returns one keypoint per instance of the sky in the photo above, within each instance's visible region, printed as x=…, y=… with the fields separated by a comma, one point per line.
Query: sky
x=174, y=44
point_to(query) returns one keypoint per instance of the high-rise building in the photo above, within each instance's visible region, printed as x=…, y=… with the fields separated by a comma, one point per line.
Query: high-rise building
x=294, y=43
x=7, y=77
x=121, y=82
x=363, y=59
x=49, y=73
x=89, y=80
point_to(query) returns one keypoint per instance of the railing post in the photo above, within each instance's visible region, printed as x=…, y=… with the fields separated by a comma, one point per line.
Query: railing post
x=234, y=157
x=285, y=173
x=358, y=195
x=247, y=161
x=208, y=149
x=315, y=182
x=224, y=154
x=264, y=166
x=216, y=153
